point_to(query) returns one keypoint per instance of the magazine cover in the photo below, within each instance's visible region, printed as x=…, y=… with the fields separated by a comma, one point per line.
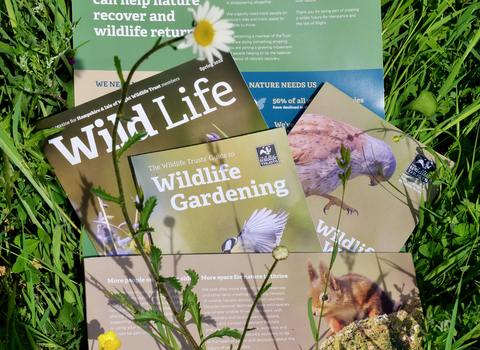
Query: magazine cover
x=389, y=174
x=284, y=53
x=378, y=299
x=240, y=194
x=178, y=107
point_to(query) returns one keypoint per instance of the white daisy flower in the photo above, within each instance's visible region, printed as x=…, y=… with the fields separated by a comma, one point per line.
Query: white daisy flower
x=211, y=34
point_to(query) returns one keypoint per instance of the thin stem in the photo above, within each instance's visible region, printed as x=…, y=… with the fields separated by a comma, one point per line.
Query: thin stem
x=335, y=248
x=344, y=178
x=120, y=114
x=61, y=100
x=259, y=294
x=134, y=68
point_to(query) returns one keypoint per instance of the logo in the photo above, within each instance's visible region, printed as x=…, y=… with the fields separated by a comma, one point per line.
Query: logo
x=267, y=155
x=261, y=103
x=420, y=167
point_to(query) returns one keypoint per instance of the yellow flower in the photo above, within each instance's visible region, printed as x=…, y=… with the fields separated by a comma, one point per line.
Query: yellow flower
x=109, y=341
x=211, y=34
x=280, y=252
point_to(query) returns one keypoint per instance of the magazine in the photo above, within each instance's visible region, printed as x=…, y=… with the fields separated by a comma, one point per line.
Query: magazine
x=284, y=52
x=379, y=296
x=239, y=194
x=390, y=174
x=178, y=107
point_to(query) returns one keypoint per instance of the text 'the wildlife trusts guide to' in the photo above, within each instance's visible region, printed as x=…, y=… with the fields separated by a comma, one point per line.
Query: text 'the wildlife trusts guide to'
x=176, y=108
x=374, y=295
x=390, y=174
x=240, y=194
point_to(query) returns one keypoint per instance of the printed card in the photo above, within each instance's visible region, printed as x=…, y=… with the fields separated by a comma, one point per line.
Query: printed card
x=371, y=297
x=240, y=194
x=390, y=174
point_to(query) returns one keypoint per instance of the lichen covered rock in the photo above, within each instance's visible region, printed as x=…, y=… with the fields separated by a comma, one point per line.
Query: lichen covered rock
x=396, y=331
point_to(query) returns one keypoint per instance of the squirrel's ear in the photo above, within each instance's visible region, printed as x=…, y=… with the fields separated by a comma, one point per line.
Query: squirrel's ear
x=312, y=274
x=332, y=281
x=323, y=268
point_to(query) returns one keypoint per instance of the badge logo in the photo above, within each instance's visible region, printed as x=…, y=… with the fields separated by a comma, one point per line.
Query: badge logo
x=267, y=155
x=420, y=167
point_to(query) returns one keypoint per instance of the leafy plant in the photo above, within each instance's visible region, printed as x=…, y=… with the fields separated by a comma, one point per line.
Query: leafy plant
x=160, y=326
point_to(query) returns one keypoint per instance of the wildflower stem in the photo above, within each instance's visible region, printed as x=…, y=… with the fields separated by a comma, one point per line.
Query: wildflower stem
x=120, y=115
x=135, y=67
x=335, y=249
x=345, y=161
x=257, y=298
x=121, y=195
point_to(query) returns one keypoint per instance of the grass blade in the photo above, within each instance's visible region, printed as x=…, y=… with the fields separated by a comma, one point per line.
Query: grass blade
x=9, y=148
x=313, y=326
x=16, y=117
x=11, y=14
x=447, y=86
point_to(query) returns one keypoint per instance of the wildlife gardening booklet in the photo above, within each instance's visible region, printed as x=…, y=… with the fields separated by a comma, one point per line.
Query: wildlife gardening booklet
x=284, y=49
x=178, y=107
x=239, y=194
x=390, y=174
x=374, y=296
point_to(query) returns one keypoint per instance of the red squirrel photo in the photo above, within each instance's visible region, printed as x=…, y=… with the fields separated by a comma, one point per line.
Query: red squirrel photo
x=348, y=298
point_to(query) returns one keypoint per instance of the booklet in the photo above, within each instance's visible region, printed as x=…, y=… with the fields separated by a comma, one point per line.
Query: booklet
x=284, y=52
x=240, y=194
x=389, y=174
x=176, y=108
x=374, y=287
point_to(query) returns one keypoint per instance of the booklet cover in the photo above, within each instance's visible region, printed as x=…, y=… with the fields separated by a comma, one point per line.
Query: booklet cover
x=389, y=174
x=284, y=52
x=373, y=288
x=240, y=194
x=176, y=108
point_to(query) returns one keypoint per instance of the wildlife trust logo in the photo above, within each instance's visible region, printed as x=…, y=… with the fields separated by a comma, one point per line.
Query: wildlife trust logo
x=267, y=155
x=420, y=167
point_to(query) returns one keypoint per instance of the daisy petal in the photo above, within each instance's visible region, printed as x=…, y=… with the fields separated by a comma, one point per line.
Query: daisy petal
x=202, y=11
x=222, y=47
x=215, y=14
x=211, y=34
x=185, y=44
x=215, y=52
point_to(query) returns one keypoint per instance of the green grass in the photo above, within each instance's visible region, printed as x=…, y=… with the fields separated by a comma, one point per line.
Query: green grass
x=434, y=46
x=41, y=303
x=428, y=46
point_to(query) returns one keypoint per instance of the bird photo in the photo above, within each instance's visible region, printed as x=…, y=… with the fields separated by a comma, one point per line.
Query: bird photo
x=316, y=141
x=261, y=233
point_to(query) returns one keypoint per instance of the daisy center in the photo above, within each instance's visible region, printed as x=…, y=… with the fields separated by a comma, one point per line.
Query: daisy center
x=204, y=33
